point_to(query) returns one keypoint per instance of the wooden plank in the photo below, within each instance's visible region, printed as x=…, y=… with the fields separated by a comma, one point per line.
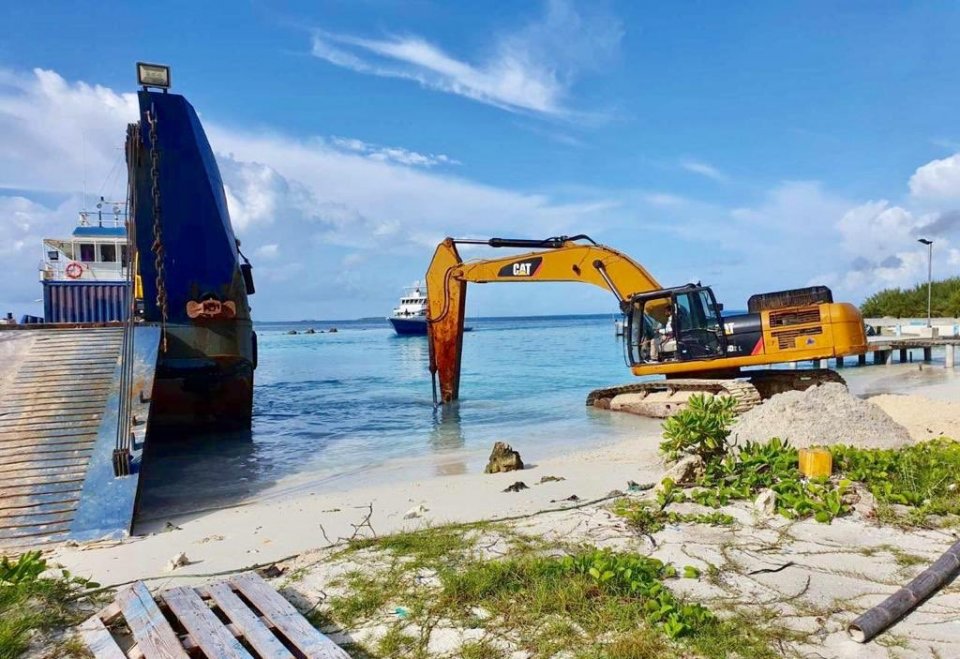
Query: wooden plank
x=286, y=618
x=39, y=410
x=22, y=489
x=53, y=474
x=56, y=462
x=24, y=406
x=247, y=622
x=204, y=627
x=47, y=445
x=43, y=480
x=28, y=501
x=13, y=461
x=153, y=633
x=99, y=641
x=55, y=433
x=36, y=531
x=49, y=426
x=28, y=520
x=38, y=508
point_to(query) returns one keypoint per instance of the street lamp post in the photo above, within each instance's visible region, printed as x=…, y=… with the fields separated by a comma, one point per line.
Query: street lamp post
x=929, y=244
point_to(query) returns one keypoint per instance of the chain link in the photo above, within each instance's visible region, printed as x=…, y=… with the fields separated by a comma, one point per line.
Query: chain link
x=157, y=246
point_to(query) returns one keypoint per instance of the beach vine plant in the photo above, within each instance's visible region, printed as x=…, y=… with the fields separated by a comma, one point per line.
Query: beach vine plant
x=703, y=429
x=923, y=477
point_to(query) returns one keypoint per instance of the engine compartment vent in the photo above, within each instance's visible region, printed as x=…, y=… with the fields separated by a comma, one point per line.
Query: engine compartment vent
x=794, y=317
x=797, y=297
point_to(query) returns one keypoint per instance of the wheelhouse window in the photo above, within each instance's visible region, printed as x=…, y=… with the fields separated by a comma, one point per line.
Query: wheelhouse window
x=124, y=257
x=88, y=252
x=108, y=253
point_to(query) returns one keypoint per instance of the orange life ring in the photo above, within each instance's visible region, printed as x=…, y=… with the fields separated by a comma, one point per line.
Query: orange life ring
x=74, y=271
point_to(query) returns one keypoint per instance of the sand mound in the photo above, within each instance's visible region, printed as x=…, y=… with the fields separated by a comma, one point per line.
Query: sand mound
x=923, y=417
x=823, y=415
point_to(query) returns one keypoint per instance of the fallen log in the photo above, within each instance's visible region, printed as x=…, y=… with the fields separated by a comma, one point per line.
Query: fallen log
x=885, y=614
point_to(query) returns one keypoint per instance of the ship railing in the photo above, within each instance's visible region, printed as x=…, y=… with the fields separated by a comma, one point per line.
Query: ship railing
x=92, y=271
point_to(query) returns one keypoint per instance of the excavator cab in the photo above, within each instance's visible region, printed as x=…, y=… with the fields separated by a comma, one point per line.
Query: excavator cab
x=674, y=325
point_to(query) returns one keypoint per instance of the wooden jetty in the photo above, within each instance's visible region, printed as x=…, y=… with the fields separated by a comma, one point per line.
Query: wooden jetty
x=241, y=617
x=882, y=350
x=74, y=407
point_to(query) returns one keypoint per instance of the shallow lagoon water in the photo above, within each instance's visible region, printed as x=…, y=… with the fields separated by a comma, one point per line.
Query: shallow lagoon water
x=332, y=409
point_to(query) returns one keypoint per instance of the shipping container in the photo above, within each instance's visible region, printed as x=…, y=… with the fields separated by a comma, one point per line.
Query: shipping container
x=84, y=302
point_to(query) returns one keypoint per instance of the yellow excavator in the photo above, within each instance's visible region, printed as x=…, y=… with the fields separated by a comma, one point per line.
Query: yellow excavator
x=679, y=333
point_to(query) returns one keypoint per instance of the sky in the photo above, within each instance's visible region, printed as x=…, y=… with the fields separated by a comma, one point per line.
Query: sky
x=752, y=146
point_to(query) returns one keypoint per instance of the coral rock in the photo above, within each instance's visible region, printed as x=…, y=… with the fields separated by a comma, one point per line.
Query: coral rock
x=503, y=458
x=685, y=472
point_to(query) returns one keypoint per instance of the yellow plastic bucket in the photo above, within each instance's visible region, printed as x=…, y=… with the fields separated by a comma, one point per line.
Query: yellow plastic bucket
x=816, y=462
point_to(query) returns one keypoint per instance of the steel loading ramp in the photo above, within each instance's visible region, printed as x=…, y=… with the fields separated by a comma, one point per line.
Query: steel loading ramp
x=60, y=393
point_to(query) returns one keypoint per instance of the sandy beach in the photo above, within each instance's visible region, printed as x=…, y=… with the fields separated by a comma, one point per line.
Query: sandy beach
x=302, y=527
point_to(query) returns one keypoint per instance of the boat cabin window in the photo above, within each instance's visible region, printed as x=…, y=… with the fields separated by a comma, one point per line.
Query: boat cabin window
x=108, y=253
x=87, y=253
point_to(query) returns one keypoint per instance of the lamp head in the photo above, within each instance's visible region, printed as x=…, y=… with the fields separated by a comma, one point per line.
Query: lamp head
x=924, y=241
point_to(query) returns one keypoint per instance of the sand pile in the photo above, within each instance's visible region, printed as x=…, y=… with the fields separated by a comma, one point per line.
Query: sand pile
x=823, y=415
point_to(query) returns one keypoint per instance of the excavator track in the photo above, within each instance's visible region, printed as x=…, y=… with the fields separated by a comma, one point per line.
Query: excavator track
x=664, y=398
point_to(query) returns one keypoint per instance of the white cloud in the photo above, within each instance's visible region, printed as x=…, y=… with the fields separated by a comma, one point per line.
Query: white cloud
x=664, y=199
x=394, y=154
x=57, y=134
x=938, y=180
x=704, y=169
x=268, y=251
x=314, y=199
x=531, y=69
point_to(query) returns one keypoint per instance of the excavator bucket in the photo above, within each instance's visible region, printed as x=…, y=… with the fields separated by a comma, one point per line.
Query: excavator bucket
x=446, y=307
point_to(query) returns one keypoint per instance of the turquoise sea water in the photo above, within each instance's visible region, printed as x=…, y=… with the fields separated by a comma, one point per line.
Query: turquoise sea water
x=330, y=408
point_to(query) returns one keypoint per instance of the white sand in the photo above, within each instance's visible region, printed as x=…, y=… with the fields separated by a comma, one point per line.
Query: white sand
x=924, y=418
x=275, y=528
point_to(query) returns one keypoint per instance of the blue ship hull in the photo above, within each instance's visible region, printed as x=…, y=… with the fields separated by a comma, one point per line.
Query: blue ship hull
x=409, y=327
x=205, y=370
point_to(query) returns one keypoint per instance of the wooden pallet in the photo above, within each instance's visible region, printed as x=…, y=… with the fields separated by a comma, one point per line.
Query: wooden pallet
x=240, y=617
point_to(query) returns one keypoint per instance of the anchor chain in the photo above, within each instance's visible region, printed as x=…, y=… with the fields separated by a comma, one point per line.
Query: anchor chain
x=157, y=245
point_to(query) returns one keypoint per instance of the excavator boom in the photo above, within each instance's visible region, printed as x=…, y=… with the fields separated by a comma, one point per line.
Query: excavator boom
x=563, y=259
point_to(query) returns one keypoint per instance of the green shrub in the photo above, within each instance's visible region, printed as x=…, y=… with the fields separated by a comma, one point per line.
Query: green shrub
x=701, y=428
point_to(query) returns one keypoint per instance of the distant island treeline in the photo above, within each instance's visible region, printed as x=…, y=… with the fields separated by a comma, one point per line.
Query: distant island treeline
x=912, y=302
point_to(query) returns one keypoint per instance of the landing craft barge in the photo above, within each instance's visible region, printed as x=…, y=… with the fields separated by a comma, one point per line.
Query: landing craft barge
x=195, y=279
x=81, y=395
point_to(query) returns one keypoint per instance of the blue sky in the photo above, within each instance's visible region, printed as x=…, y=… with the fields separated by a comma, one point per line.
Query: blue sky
x=755, y=147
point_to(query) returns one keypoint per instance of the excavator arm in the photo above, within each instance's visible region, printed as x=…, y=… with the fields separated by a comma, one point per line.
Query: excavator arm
x=573, y=259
